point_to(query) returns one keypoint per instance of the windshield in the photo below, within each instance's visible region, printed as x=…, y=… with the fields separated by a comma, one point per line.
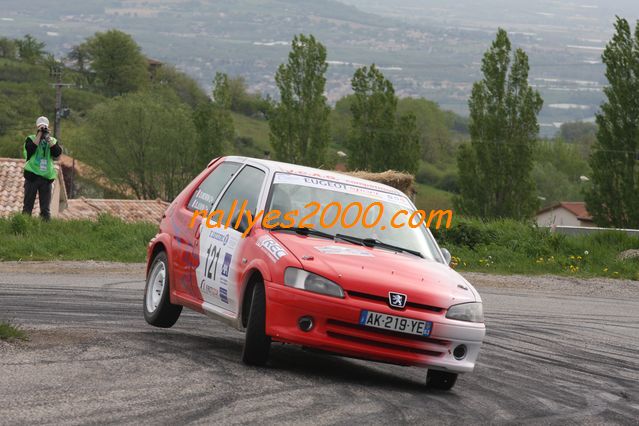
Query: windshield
x=331, y=207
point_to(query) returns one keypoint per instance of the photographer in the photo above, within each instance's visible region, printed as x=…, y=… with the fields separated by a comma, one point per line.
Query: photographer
x=39, y=171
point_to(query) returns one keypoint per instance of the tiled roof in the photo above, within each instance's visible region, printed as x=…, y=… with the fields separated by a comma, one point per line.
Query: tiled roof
x=12, y=195
x=12, y=187
x=127, y=210
x=578, y=208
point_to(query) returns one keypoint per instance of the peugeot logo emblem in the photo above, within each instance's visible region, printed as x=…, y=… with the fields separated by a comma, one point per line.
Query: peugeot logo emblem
x=397, y=300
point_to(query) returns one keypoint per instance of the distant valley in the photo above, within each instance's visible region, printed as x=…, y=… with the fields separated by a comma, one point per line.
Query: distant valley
x=428, y=48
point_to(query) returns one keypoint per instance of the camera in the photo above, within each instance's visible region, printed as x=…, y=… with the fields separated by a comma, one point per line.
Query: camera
x=45, y=132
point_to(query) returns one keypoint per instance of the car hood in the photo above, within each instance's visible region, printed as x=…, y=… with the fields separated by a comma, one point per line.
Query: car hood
x=376, y=271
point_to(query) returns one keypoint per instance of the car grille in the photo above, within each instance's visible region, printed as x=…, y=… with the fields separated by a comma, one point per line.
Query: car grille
x=386, y=339
x=384, y=300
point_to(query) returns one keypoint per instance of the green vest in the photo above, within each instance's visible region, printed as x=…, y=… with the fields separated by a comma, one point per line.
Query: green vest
x=40, y=162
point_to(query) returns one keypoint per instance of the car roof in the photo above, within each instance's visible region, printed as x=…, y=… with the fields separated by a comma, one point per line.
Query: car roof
x=277, y=166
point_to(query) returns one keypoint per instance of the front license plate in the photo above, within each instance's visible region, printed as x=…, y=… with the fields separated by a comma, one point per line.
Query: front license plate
x=395, y=323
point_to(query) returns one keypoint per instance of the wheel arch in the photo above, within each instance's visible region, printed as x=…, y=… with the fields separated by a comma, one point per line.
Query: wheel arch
x=157, y=248
x=160, y=242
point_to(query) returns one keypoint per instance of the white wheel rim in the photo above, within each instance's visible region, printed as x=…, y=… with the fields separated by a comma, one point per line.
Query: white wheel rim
x=155, y=287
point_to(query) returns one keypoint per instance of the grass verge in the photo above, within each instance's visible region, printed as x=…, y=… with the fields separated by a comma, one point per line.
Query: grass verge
x=108, y=238
x=510, y=247
x=10, y=332
x=503, y=246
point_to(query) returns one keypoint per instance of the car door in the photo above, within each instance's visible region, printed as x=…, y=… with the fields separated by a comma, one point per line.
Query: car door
x=220, y=245
x=186, y=238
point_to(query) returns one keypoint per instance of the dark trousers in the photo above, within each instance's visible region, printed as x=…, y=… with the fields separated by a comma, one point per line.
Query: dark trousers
x=37, y=186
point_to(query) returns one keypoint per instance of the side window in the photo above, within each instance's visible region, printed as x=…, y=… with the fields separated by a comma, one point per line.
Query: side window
x=210, y=188
x=246, y=186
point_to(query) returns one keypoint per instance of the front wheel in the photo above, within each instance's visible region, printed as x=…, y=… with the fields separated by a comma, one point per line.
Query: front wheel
x=440, y=380
x=256, y=344
x=158, y=310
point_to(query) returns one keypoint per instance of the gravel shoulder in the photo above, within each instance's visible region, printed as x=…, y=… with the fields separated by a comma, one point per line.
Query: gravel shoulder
x=89, y=267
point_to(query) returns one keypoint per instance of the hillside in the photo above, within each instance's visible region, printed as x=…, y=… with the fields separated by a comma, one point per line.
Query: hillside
x=430, y=50
x=26, y=92
x=251, y=135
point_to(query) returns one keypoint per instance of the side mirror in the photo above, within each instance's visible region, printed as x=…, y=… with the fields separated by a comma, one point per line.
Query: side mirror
x=447, y=256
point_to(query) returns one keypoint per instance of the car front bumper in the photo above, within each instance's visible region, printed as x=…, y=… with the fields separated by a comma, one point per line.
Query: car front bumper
x=336, y=329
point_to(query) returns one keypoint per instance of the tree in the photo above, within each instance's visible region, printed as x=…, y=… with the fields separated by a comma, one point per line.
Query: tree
x=185, y=87
x=582, y=135
x=578, y=131
x=404, y=153
x=557, y=171
x=8, y=48
x=373, y=121
x=613, y=197
x=249, y=104
x=379, y=139
x=80, y=57
x=237, y=91
x=214, y=123
x=495, y=169
x=341, y=119
x=215, y=131
x=221, y=90
x=142, y=141
x=433, y=126
x=118, y=63
x=299, y=129
x=30, y=49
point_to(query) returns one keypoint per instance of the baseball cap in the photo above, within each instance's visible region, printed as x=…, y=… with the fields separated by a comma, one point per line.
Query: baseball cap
x=42, y=121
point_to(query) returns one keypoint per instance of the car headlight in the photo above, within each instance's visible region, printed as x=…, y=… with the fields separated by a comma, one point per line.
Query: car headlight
x=299, y=278
x=472, y=312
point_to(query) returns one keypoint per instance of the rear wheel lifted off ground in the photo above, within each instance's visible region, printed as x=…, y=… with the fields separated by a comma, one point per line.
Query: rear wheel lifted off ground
x=256, y=344
x=158, y=310
x=440, y=380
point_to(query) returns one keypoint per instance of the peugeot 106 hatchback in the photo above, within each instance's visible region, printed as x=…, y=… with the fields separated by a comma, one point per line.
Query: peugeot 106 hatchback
x=315, y=258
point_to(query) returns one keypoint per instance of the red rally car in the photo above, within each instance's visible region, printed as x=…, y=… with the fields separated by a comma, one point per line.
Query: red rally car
x=338, y=272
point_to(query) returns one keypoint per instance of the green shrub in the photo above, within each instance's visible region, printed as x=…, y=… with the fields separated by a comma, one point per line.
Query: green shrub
x=466, y=233
x=449, y=182
x=507, y=246
x=20, y=223
x=9, y=331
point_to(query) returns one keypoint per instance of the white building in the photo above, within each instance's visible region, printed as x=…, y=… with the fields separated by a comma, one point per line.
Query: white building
x=565, y=213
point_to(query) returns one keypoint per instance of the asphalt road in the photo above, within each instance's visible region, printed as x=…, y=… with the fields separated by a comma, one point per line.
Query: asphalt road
x=558, y=351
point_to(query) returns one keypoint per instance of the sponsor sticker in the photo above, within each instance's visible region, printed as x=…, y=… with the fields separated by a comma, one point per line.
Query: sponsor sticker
x=341, y=187
x=223, y=295
x=226, y=265
x=219, y=236
x=271, y=247
x=345, y=251
x=206, y=288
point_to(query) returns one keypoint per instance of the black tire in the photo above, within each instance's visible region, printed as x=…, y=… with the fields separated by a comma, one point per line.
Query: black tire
x=165, y=314
x=440, y=380
x=256, y=343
